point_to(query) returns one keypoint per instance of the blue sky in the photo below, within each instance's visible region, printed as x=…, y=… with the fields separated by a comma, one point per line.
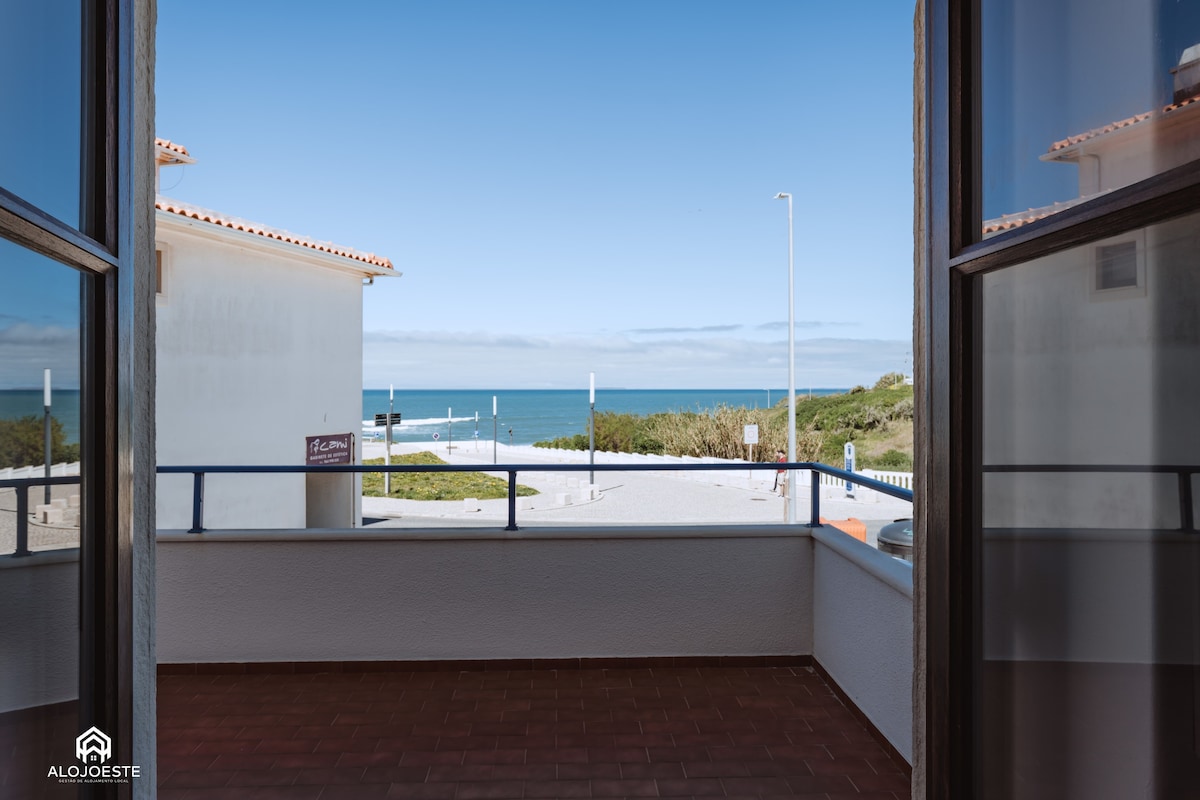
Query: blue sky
x=571, y=186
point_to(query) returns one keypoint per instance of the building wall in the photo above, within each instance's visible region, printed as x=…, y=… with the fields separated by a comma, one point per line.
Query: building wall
x=257, y=349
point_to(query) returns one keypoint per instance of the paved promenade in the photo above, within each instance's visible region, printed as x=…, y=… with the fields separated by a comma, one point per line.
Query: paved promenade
x=662, y=497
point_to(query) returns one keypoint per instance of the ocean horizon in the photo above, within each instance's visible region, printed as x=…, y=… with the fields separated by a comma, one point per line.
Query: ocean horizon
x=525, y=416
x=531, y=415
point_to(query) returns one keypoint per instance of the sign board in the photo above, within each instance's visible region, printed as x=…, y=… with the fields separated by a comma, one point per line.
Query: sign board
x=848, y=452
x=436, y=436
x=750, y=435
x=337, y=448
x=382, y=419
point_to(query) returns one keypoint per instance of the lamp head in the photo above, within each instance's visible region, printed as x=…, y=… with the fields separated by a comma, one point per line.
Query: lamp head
x=782, y=196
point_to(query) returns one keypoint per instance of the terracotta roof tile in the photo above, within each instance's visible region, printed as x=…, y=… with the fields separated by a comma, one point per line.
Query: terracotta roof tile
x=1007, y=222
x=169, y=145
x=1070, y=141
x=226, y=221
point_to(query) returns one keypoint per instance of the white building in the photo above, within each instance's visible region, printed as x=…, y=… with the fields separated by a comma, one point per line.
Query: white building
x=259, y=345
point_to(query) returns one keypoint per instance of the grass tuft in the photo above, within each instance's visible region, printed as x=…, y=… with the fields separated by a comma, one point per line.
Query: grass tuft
x=436, y=485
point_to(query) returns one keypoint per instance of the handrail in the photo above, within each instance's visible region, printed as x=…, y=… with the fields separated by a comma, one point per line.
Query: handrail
x=1182, y=472
x=22, y=548
x=815, y=468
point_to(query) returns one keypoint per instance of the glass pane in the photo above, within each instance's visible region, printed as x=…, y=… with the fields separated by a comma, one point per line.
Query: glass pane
x=1080, y=97
x=41, y=102
x=39, y=555
x=1090, y=606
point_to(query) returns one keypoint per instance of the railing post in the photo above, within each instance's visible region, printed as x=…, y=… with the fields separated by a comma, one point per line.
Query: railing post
x=22, y=550
x=197, y=503
x=814, y=519
x=1186, y=517
x=512, y=501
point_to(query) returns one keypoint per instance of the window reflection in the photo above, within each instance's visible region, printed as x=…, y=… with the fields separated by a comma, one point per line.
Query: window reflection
x=1090, y=553
x=41, y=101
x=1081, y=97
x=39, y=557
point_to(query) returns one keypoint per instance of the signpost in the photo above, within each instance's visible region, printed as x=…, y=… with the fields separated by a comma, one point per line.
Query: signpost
x=848, y=452
x=495, y=429
x=750, y=438
x=389, y=419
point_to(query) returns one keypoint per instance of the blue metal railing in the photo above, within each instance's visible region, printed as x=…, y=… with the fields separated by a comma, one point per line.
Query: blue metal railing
x=22, y=486
x=513, y=470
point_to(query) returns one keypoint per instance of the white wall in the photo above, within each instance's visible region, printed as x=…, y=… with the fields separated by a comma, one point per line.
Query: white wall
x=538, y=593
x=257, y=349
x=39, y=629
x=863, y=630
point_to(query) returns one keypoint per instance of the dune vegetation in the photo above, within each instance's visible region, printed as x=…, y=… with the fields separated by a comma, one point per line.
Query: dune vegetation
x=878, y=420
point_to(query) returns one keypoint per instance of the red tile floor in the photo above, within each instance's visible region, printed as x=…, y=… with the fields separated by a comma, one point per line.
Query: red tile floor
x=551, y=733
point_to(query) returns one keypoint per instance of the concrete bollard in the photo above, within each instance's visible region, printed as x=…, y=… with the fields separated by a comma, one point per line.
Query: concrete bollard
x=563, y=498
x=59, y=502
x=471, y=504
x=73, y=501
x=49, y=515
x=524, y=503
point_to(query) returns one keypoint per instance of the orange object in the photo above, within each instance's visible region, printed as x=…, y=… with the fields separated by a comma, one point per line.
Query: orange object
x=853, y=527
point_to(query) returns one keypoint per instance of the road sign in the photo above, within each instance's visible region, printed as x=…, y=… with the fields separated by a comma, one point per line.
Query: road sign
x=382, y=419
x=750, y=434
x=436, y=436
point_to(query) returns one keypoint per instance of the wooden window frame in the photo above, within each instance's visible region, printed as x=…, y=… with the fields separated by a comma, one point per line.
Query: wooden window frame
x=111, y=210
x=953, y=257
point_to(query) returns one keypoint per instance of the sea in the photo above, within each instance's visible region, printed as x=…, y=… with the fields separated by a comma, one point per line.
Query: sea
x=525, y=416
x=64, y=406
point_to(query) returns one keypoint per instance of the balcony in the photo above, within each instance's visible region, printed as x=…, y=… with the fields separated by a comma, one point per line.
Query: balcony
x=738, y=660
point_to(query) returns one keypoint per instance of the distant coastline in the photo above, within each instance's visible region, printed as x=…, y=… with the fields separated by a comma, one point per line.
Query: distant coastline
x=543, y=414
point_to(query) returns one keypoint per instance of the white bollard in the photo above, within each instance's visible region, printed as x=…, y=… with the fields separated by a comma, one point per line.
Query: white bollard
x=471, y=504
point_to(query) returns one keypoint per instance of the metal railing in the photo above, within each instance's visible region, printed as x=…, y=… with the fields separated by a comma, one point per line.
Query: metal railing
x=22, y=487
x=512, y=470
x=1183, y=475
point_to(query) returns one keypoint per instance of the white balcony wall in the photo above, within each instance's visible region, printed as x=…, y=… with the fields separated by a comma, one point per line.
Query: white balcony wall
x=863, y=630
x=48, y=673
x=540, y=593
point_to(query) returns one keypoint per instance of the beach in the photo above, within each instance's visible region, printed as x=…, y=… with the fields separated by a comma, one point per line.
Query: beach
x=660, y=497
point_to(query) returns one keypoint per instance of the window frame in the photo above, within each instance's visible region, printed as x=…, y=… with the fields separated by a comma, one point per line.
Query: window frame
x=952, y=256
x=118, y=92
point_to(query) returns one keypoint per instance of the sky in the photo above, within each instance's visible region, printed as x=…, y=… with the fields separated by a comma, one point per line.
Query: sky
x=571, y=187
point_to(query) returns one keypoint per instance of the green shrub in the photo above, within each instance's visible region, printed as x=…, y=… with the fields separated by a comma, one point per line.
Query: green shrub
x=23, y=444
x=893, y=460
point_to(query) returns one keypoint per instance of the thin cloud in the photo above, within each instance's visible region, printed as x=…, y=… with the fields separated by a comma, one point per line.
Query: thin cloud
x=26, y=350
x=438, y=359
x=806, y=323
x=700, y=329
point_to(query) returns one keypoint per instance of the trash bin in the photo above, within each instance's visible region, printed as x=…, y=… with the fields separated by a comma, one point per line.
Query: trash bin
x=896, y=539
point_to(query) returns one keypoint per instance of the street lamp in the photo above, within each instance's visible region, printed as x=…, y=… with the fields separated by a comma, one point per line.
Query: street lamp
x=791, y=433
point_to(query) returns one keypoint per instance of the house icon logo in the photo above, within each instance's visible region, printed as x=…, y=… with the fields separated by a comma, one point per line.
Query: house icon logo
x=93, y=746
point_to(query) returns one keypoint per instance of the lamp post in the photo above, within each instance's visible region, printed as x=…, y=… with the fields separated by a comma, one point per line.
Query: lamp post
x=592, y=426
x=46, y=427
x=387, y=444
x=495, y=429
x=791, y=432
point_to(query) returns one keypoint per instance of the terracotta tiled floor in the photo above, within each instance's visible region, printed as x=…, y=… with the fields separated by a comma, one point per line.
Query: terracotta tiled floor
x=678, y=732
